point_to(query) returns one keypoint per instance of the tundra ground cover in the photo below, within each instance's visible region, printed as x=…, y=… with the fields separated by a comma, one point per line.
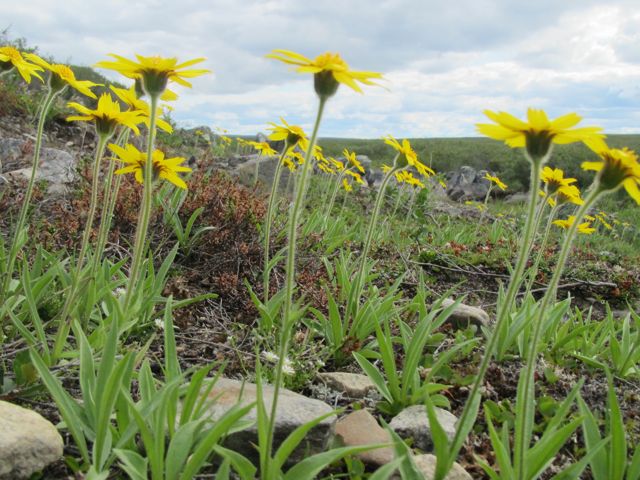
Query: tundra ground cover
x=365, y=292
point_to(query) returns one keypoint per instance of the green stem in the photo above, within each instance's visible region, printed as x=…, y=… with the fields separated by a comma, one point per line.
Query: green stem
x=470, y=410
x=412, y=201
x=268, y=219
x=354, y=298
x=285, y=334
x=332, y=201
x=543, y=244
x=109, y=198
x=522, y=438
x=17, y=242
x=77, y=277
x=145, y=210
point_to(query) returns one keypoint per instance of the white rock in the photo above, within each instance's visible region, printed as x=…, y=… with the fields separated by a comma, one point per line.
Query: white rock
x=353, y=385
x=28, y=442
x=412, y=422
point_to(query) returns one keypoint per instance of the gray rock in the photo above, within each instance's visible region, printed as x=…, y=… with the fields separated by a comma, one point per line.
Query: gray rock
x=292, y=411
x=412, y=422
x=464, y=315
x=57, y=167
x=361, y=428
x=427, y=465
x=520, y=197
x=28, y=442
x=353, y=385
x=467, y=184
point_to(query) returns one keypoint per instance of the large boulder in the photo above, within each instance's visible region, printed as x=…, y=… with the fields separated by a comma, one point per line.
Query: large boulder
x=28, y=442
x=292, y=411
x=467, y=183
x=57, y=167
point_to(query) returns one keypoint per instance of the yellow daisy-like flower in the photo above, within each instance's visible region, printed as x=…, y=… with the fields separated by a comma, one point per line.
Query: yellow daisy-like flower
x=584, y=227
x=386, y=168
x=61, y=76
x=130, y=98
x=289, y=164
x=539, y=133
x=329, y=71
x=601, y=217
x=291, y=134
x=408, y=156
x=356, y=176
x=107, y=115
x=326, y=168
x=566, y=194
x=135, y=160
x=263, y=149
x=499, y=183
x=617, y=168
x=297, y=156
x=338, y=165
x=347, y=186
x=353, y=160
x=409, y=179
x=154, y=72
x=554, y=179
x=11, y=58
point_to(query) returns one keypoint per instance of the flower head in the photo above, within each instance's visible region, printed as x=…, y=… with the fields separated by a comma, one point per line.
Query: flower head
x=135, y=161
x=554, y=179
x=107, y=115
x=337, y=164
x=291, y=134
x=499, y=183
x=584, y=227
x=263, y=148
x=61, y=76
x=11, y=58
x=408, y=156
x=130, y=98
x=356, y=176
x=270, y=356
x=353, y=159
x=538, y=133
x=329, y=71
x=154, y=72
x=347, y=186
x=616, y=168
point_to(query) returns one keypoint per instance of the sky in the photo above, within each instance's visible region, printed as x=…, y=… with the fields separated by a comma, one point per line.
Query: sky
x=444, y=62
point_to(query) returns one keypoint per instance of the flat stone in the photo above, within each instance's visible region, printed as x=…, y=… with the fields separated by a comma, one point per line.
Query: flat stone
x=57, y=167
x=353, y=385
x=361, y=428
x=427, y=465
x=412, y=422
x=292, y=411
x=28, y=442
x=465, y=315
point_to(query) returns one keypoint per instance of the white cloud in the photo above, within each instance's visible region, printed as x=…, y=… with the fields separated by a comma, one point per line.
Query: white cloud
x=445, y=61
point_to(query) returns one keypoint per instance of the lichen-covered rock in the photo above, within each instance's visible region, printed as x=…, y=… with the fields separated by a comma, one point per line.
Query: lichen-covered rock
x=353, y=385
x=292, y=411
x=413, y=422
x=28, y=442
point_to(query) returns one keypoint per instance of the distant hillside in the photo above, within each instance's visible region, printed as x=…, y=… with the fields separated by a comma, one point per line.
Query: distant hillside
x=444, y=154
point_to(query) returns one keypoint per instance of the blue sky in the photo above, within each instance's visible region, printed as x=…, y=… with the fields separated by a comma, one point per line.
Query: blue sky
x=444, y=61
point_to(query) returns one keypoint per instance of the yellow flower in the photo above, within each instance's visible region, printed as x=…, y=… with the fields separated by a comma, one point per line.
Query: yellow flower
x=154, y=72
x=582, y=228
x=11, y=58
x=408, y=156
x=61, y=76
x=353, y=160
x=356, y=176
x=567, y=194
x=292, y=134
x=601, y=216
x=329, y=71
x=132, y=101
x=386, y=168
x=289, y=164
x=538, y=133
x=325, y=168
x=263, y=148
x=297, y=156
x=339, y=166
x=409, y=179
x=347, y=186
x=107, y=115
x=554, y=179
x=617, y=168
x=318, y=155
x=502, y=186
x=166, y=168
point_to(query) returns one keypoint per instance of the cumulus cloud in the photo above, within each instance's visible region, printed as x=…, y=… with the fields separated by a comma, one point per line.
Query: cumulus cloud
x=444, y=61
